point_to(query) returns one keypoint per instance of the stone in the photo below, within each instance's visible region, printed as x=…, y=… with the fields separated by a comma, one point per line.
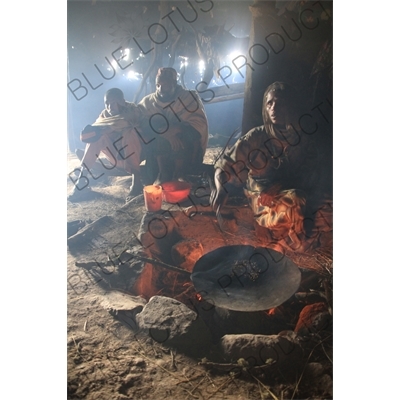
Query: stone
x=314, y=318
x=316, y=376
x=123, y=307
x=283, y=351
x=118, y=301
x=173, y=324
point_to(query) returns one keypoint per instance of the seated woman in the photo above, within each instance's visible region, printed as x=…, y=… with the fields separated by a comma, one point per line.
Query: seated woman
x=280, y=169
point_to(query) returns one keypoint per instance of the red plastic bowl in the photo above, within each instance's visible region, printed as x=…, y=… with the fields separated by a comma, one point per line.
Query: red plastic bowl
x=175, y=191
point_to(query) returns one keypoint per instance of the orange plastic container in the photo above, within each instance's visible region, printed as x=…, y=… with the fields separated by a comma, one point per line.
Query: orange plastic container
x=175, y=191
x=152, y=197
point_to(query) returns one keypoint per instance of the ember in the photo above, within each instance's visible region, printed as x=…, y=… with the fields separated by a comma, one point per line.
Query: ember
x=199, y=297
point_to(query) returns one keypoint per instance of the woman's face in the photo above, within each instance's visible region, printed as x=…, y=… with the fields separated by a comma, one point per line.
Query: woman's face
x=276, y=108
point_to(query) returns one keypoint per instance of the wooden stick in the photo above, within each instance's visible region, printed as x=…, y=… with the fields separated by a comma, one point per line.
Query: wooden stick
x=91, y=264
x=162, y=264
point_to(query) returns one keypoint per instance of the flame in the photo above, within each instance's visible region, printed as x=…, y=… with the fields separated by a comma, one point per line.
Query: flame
x=145, y=285
x=156, y=281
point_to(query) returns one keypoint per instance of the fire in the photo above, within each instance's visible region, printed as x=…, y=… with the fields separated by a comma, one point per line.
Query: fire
x=199, y=297
x=157, y=281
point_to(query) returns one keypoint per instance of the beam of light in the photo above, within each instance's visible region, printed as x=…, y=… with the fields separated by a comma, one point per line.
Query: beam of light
x=132, y=75
x=184, y=62
x=231, y=56
x=202, y=66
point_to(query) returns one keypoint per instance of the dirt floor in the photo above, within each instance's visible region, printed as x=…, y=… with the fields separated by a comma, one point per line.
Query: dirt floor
x=108, y=360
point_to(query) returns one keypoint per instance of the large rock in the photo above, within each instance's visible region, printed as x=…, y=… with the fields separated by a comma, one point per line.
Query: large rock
x=314, y=318
x=173, y=324
x=283, y=352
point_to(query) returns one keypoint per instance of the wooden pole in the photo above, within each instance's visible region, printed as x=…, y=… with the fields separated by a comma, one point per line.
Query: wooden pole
x=257, y=76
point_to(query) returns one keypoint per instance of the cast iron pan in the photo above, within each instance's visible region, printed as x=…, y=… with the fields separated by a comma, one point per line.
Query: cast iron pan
x=245, y=278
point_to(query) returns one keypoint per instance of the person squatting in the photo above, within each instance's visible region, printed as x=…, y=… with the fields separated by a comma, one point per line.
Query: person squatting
x=168, y=129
